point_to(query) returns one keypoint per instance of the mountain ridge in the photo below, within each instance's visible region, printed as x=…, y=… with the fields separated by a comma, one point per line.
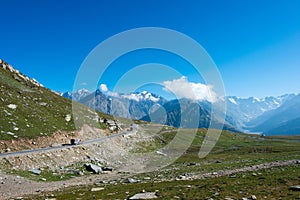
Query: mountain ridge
x=241, y=112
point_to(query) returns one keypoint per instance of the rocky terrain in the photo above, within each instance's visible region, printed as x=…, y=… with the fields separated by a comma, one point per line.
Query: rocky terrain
x=16, y=186
x=109, y=163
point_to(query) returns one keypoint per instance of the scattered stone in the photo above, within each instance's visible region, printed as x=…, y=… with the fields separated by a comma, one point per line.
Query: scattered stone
x=93, y=168
x=43, y=103
x=217, y=194
x=161, y=153
x=35, y=171
x=107, y=169
x=191, y=164
x=68, y=117
x=131, y=180
x=228, y=198
x=254, y=174
x=218, y=161
x=80, y=173
x=43, y=179
x=12, y=106
x=10, y=133
x=298, y=162
x=147, y=178
x=253, y=197
x=295, y=188
x=146, y=195
x=97, y=189
x=181, y=177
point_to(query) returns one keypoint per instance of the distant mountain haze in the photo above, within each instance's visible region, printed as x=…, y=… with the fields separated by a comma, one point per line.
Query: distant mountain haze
x=269, y=115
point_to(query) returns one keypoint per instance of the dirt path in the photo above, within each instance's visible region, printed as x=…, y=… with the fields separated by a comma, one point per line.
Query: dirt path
x=252, y=168
x=13, y=186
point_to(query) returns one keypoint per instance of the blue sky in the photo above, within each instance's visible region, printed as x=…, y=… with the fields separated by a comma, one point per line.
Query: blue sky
x=254, y=43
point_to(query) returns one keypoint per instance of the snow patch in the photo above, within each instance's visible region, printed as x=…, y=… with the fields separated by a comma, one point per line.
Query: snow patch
x=232, y=101
x=141, y=96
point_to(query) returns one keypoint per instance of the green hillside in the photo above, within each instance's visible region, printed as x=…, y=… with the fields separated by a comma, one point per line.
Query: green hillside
x=27, y=109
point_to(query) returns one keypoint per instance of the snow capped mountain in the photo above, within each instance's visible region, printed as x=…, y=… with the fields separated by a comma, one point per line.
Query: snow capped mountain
x=241, y=111
x=78, y=95
x=132, y=105
x=244, y=114
x=280, y=120
x=232, y=100
x=142, y=96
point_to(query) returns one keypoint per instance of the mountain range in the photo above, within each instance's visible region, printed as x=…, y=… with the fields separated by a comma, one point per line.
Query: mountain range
x=269, y=115
x=30, y=109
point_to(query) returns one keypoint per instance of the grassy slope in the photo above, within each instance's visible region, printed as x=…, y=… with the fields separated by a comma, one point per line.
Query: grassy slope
x=270, y=184
x=231, y=152
x=39, y=111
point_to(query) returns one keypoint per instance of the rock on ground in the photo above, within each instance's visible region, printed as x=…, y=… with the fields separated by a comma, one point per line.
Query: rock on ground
x=97, y=189
x=146, y=195
x=295, y=188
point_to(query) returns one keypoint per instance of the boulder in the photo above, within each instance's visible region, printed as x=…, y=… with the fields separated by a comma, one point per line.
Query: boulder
x=93, y=168
x=97, y=189
x=35, y=171
x=131, y=180
x=191, y=164
x=68, y=117
x=295, y=188
x=107, y=169
x=253, y=197
x=146, y=195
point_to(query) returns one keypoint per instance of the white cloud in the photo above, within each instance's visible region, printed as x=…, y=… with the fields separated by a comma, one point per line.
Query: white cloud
x=190, y=90
x=103, y=88
x=113, y=94
x=132, y=97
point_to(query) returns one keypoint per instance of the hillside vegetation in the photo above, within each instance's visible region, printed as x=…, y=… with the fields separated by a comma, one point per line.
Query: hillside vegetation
x=27, y=109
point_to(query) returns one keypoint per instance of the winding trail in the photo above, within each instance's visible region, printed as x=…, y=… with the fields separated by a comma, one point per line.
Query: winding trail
x=87, y=142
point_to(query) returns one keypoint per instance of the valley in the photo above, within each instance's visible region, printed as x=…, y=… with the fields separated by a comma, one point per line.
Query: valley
x=116, y=157
x=238, y=160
